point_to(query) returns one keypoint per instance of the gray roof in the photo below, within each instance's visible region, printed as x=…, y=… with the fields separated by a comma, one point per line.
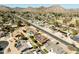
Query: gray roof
x=76, y=38
x=3, y=45
x=1, y=33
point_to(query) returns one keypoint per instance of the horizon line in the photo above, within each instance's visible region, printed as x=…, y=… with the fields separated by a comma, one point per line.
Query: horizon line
x=67, y=6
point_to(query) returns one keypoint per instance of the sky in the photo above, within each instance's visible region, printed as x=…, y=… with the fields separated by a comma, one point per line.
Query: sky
x=38, y=5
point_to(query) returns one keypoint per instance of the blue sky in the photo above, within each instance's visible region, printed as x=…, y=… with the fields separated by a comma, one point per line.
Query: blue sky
x=38, y=5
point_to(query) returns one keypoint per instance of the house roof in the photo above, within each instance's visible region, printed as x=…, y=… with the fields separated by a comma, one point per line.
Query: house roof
x=76, y=38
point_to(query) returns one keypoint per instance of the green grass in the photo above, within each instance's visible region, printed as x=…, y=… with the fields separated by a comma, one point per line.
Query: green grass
x=45, y=50
x=35, y=41
x=34, y=46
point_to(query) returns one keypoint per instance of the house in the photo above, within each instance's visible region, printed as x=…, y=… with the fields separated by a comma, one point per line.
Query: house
x=2, y=33
x=42, y=39
x=76, y=38
x=3, y=45
x=23, y=45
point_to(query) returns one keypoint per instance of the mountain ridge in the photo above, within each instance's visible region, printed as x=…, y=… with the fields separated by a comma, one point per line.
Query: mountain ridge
x=53, y=8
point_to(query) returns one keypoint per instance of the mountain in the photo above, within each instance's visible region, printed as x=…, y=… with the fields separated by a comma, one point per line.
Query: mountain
x=4, y=8
x=42, y=9
x=56, y=8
